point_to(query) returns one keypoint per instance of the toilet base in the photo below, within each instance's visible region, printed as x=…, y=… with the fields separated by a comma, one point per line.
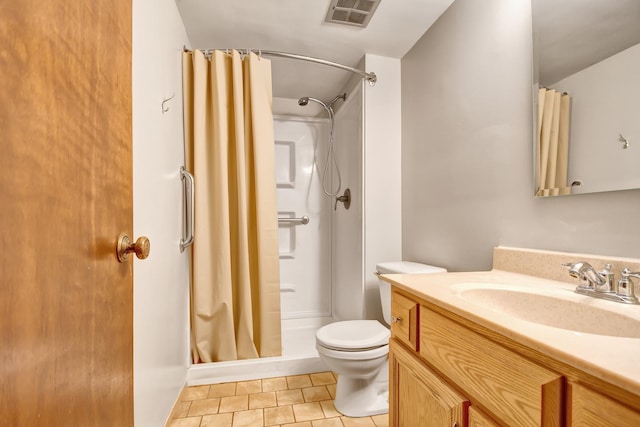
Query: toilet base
x=357, y=397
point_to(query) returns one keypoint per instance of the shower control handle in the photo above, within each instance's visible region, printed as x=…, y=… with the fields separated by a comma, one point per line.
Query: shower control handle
x=345, y=198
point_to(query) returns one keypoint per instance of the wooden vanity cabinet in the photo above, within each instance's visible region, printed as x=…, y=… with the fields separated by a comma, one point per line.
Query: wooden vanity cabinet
x=428, y=376
x=445, y=371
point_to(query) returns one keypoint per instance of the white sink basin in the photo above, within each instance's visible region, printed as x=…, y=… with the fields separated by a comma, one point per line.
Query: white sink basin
x=558, y=308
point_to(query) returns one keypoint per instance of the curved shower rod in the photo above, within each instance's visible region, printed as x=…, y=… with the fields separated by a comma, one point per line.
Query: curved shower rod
x=370, y=77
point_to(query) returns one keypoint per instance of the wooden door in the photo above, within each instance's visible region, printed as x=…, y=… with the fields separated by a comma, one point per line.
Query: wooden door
x=419, y=397
x=66, y=346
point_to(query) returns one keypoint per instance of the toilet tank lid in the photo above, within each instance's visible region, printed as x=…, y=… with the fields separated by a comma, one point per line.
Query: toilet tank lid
x=407, y=267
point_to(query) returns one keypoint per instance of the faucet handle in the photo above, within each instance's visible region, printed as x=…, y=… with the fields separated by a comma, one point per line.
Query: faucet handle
x=626, y=285
x=606, y=269
x=628, y=273
x=608, y=276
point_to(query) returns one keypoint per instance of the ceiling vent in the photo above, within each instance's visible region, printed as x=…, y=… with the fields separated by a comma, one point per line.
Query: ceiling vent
x=351, y=12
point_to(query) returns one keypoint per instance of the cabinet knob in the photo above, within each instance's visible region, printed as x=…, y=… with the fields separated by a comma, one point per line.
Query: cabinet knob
x=396, y=319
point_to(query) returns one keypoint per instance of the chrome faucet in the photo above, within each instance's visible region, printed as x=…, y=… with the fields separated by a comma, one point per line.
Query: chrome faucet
x=598, y=281
x=601, y=284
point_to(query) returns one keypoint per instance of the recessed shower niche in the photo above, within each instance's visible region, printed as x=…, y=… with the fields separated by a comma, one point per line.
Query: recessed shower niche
x=285, y=157
x=286, y=236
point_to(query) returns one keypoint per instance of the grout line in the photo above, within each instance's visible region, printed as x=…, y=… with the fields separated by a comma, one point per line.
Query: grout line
x=319, y=385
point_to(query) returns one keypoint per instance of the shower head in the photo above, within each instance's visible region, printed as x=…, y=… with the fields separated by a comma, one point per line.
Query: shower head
x=305, y=101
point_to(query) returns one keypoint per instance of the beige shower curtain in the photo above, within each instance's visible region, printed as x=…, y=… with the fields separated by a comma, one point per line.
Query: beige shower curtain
x=235, y=295
x=554, y=109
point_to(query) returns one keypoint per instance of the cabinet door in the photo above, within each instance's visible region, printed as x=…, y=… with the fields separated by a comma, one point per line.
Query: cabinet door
x=419, y=397
x=588, y=408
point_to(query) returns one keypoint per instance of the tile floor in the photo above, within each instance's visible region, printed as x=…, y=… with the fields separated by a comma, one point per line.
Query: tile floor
x=295, y=401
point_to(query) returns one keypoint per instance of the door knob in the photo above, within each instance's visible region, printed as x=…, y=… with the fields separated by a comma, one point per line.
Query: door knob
x=124, y=247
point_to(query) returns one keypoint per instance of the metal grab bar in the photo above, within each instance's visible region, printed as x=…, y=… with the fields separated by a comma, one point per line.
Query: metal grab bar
x=187, y=178
x=295, y=221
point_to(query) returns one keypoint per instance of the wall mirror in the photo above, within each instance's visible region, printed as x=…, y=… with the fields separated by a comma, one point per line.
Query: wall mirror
x=586, y=95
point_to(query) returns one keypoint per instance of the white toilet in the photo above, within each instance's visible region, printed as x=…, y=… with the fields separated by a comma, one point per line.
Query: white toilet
x=357, y=350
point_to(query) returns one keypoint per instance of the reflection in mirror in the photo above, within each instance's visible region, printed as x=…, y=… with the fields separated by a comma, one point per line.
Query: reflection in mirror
x=587, y=78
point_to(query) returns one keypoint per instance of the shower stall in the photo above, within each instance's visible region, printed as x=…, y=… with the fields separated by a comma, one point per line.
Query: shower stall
x=320, y=242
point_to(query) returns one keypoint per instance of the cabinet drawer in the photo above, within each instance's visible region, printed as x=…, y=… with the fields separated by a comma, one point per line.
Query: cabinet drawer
x=478, y=419
x=509, y=386
x=588, y=408
x=405, y=320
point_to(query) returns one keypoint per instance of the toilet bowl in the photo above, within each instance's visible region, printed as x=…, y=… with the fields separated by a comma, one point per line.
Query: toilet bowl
x=358, y=350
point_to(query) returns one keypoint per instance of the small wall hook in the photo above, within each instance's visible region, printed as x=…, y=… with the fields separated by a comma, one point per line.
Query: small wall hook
x=165, y=109
x=625, y=142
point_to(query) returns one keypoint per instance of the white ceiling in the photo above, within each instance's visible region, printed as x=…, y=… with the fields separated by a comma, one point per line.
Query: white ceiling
x=569, y=35
x=297, y=26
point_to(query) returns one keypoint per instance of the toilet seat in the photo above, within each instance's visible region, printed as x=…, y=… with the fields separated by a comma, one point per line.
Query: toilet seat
x=361, y=355
x=353, y=335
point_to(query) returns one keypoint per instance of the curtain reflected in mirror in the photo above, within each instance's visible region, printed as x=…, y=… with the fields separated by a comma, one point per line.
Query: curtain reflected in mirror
x=554, y=109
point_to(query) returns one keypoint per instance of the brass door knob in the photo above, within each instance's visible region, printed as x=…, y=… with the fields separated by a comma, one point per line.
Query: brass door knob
x=141, y=247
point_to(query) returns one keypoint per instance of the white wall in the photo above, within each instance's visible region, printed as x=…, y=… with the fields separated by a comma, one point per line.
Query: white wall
x=368, y=143
x=382, y=176
x=467, y=156
x=161, y=319
x=347, y=225
x=604, y=105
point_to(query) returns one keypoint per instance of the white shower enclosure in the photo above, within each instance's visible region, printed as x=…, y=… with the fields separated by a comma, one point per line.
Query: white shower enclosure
x=321, y=263
x=305, y=249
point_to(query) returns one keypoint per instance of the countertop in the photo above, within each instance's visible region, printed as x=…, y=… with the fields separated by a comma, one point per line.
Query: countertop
x=613, y=359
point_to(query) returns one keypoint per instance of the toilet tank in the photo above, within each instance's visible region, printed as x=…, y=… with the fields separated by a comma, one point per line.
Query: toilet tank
x=399, y=267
